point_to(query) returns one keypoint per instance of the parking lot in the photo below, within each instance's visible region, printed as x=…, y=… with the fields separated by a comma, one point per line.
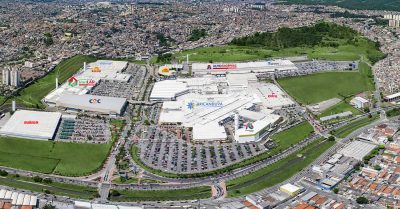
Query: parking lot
x=180, y=156
x=84, y=129
x=129, y=90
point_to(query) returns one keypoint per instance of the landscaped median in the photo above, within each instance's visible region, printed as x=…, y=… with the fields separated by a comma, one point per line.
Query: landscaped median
x=279, y=171
x=37, y=184
x=284, y=140
x=195, y=193
x=344, y=131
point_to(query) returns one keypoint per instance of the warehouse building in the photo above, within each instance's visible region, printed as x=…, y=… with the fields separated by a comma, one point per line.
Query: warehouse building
x=290, y=189
x=359, y=102
x=32, y=125
x=12, y=199
x=98, y=104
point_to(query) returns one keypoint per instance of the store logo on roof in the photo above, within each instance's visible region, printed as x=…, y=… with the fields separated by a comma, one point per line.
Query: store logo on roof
x=190, y=105
x=29, y=122
x=272, y=95
x=207, y=104
x=249, y=126
x=96, y=69
x=94, y=101
x=72, y=81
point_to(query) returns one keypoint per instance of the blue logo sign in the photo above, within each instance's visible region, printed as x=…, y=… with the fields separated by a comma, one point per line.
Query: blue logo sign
x=207, y=104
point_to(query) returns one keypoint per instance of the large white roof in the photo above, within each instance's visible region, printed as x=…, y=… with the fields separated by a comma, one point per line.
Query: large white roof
x=32, y=124
x=102, y=104
x=245, y=67
x=210, y=131
x=168, y=89
x=271, y=95
x=258, y=125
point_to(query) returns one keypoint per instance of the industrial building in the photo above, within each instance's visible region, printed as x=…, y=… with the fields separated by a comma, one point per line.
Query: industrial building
x=13, y=199
x=290, y=189
x=270, y=66
x=32, y=125
x=359, y=102
x=98, y=104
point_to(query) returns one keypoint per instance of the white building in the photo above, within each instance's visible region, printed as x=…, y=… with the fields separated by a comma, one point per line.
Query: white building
x=359, y=102
x=91, y=103
x=255, y=131
x=11, y=77
x=32, y=125
x=269, y=66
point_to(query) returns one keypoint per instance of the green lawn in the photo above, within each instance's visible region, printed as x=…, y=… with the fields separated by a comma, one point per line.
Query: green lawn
x=70, y=190
x=279, y=171
x=162, y=195
x=284, y=140
x=339, y=108
x=233, y=53
x=318, y=87
x=292, y=136
x=31, y=95
x=351, y=127
x=68, y=159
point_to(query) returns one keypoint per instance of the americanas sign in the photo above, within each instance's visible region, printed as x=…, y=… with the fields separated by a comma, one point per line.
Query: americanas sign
x=221, y=67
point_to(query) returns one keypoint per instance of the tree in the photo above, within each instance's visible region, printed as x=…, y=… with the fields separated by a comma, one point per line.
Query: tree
x=3, y=173
x=362, y=200
x=335, y=190
x=115, y=193
x=37, y=179
x=47, y=181
x=331, y=138
x=377, y=167
x=49, y=206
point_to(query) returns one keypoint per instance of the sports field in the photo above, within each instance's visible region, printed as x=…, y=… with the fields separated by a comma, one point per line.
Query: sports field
x=318, y=87
x=32, y=95
x=279, y=171
x=68, y=159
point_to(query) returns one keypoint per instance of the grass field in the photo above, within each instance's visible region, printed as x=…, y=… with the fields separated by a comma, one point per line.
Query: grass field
x=339, y=108
x=351, y=127
x=284, y=140
x=318, y=87
x=292, y=136
x=31, y=95
x=162, y=195
x=277, y=172
x=233, y=53
x=70, y=190
x=68, y=159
